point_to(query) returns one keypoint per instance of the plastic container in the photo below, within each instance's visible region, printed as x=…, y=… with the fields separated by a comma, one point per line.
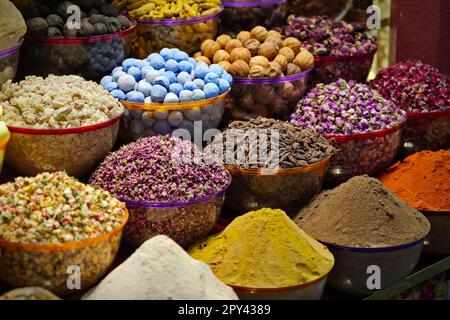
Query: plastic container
x=360, y=154
x=149, y=119
x=309, y=291
x=354, y=267
x=244, y=15
x=185, y=222
x=426, y=131
x=336, y=9
x=89, y=57
x=3, y=143
x=267, y=97
x=9, y=60
x=330, y=69
x=437, y=242
x=286, y=189
x=185, y=34
x=74, y=150
x=50, y=265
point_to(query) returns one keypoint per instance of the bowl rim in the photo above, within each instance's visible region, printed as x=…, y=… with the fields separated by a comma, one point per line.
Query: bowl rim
x=91, y=39
x=435, y=213
x=64, y=131
x=420, y=115
x=243, y=4
x=359, y=56
x=281, y=171
x=14, y=49
x=265, y=80
x=363, y=136
x=191, y=20
x=148, y=204
x=174, y=106
x=65, y=246
x=379, y=249
x=282, y=289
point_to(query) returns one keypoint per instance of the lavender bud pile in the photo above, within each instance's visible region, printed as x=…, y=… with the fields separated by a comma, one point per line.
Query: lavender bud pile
x=342, y=50
x=147, y=171
x=346, y=108
x=414, y=87
x=325, y=37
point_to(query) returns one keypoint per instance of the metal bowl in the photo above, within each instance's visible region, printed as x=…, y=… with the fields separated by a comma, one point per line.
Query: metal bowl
x=437, y=242
x=354, y=273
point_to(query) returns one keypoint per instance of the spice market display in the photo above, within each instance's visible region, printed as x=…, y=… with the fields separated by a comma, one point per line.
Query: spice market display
x=218, y=150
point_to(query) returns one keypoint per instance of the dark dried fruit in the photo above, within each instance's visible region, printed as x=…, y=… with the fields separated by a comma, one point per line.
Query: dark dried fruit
x=124, y=22
x=86, y=29
x=69, y=32
x=97, y=18
x=56, y=21
x=100, y=28
x=37, y=26
x=114, y=25
x=62, y=9
x=29, y=11
x=109, y=10
x=54, y=32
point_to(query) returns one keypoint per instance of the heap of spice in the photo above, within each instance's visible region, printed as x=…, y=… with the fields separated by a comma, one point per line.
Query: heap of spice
x=264, y=249
x=345, y=108
x=160, y=169
x=295, y=147
x=362, y=213
x=325, y=37
x=422, y=180
x=414, y=87
x=161, y=270
x=55, y=208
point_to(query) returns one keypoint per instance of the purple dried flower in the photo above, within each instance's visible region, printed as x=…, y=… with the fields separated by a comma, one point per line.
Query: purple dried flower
x=146, y=170
x=414, y=87
x=353, y=112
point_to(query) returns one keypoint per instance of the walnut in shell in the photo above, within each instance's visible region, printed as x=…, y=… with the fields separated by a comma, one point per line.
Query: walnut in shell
x=221, y=55
x=268, y=50
x=233, y=44
x=259, y=33
x=240, y=68
x=253, y=46
x=240, y=54
x=209, y=48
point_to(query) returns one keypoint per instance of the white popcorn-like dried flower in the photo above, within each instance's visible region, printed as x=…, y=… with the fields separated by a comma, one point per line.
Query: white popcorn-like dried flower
x=56, y=102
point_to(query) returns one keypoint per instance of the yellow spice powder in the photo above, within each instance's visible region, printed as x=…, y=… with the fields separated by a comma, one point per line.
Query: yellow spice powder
x=264, y=249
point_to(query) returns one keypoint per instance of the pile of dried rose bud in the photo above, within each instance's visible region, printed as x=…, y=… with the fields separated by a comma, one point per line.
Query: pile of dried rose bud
x=160, y=169
x=414, y=87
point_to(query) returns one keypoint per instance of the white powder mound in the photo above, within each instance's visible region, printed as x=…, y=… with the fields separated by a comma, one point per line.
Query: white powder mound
x=161, y=270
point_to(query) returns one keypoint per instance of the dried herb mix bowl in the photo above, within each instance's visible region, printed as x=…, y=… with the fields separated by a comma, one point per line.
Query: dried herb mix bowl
x=436, y=243
x=74, y=150
x=359, y=154
x=184, y=222
x=150, y=119
x=185, y=34
x=46, y=265
x=9, y=60
x=309, y=291
x=426, y=131
x=351, y=271
x=286, y=189
x=244, y=15
x=267, y=97
x=355, y=67
x=90, y=57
